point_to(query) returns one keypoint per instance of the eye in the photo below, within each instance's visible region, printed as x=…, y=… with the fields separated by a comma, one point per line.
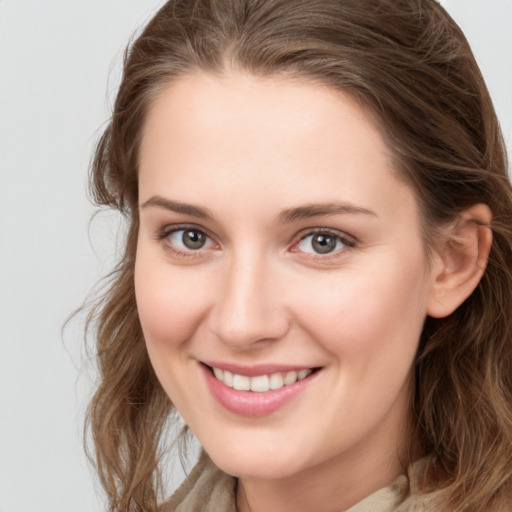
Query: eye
x=323, y=242
x=187, y=239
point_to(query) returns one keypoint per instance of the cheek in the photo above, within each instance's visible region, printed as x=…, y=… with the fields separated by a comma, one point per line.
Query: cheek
x=365, y=313
x=170, y=302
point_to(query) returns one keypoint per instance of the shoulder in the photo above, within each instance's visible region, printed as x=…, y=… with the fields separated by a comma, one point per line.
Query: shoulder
x=419, y=476
x=405, y=494
x=206, y=489
x=417, y=500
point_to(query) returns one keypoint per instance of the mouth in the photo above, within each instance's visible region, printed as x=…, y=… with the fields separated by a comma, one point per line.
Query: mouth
x=257, y=391
x=260, y=383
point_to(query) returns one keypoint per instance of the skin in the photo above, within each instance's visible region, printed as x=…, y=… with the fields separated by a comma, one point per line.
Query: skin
x=245, y=150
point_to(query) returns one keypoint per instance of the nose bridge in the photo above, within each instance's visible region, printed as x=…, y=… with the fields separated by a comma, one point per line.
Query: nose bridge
x=248, y=309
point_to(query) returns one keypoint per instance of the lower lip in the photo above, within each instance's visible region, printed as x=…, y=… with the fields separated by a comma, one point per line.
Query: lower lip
x=251, y=403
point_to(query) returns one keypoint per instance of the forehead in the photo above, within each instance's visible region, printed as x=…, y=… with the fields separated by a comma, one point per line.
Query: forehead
x=206, y=136
x=239, y=97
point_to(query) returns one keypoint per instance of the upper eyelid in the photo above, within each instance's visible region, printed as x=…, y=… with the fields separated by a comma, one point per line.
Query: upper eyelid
x=349, y=242
x=163, y=237
x=172, y=228
x=319, y=230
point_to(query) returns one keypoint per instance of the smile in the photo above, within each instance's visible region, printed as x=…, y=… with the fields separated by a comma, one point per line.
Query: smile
x=260, y=383
x=259, y=391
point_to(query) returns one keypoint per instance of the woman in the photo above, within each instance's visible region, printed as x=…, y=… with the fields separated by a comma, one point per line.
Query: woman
x=317, y=272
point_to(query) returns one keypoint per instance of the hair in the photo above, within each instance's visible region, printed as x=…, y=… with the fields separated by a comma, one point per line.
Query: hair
x=411, y=67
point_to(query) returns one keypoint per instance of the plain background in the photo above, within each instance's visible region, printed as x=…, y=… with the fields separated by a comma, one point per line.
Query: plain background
x=59, y=68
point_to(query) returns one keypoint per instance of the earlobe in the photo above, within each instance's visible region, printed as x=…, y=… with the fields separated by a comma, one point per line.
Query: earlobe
x=460, y=260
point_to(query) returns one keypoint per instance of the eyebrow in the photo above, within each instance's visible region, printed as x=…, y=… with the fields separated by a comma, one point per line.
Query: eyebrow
x=174, y=206
x=286, y=216
x=318, y=210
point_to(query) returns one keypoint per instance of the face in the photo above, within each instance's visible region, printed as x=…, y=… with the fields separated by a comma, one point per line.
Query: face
x=281, y=279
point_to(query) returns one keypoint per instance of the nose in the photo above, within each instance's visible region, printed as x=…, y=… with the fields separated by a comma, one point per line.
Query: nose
x=248, y=311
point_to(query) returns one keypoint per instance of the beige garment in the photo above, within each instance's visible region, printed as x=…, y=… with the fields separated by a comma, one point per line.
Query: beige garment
x=208, y=489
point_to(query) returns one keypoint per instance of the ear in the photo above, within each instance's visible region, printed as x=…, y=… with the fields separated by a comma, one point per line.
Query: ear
x=460, y=260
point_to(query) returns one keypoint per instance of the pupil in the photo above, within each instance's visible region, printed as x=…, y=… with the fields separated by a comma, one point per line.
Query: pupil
x=193, y=239
x=324, y=243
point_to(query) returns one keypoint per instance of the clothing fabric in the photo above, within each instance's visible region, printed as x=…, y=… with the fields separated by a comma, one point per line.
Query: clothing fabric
x=208, y=489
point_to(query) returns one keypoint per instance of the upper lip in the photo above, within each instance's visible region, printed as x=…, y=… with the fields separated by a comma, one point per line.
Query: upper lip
x=259, y=369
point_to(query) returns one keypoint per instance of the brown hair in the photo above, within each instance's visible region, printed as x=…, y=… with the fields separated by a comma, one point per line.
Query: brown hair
x=410, y=65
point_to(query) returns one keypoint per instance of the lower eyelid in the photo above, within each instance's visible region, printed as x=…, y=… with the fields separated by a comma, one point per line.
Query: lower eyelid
x=176, y=250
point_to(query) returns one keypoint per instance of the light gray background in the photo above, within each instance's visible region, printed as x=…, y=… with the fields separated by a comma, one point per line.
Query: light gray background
x=59, y=65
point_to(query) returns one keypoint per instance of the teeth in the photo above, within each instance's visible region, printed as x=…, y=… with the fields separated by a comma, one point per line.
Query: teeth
x=303, y=374
x=228, y=378
x=276, y=381
x=261, y=383
x=290, y=378
x=241, y=382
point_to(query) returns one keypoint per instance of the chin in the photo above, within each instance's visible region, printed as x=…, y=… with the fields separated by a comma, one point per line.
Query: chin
x=256, y=463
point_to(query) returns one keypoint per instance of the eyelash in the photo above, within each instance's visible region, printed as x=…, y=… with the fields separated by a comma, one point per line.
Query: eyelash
x=168, y=231
x=347, y=241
